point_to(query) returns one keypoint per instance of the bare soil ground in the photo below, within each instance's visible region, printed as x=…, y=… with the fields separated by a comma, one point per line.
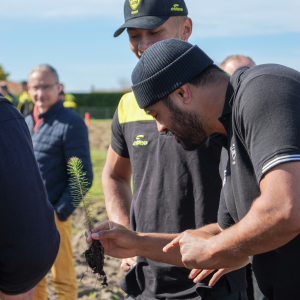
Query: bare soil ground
x=99, y=134
x=89, y=285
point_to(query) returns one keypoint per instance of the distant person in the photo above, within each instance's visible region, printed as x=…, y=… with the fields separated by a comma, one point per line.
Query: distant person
x=62, y=96
x=25, y=105
x=9, y=96
x=68, y=99
x=29, y=240
x=233, y=62
x=58, y=134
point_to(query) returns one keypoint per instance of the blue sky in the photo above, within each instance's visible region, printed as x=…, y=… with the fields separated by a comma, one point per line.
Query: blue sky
x=76, y=37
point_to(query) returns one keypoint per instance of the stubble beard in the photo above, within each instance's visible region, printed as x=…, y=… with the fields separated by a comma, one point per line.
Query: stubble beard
x=188, y=128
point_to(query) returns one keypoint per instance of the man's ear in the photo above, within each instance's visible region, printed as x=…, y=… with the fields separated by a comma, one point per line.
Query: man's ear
x=184, y=94
x=186, y=29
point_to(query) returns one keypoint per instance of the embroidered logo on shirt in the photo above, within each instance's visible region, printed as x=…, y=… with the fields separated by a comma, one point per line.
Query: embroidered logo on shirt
x=134, y=5
x=176, y=8
x=139, y=142
x=233, y=153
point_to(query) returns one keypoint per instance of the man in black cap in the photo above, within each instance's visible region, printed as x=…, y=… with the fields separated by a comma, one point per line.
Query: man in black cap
x=169, y=184
x=258, y=110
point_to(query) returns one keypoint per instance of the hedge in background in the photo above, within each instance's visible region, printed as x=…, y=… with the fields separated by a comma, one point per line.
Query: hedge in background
x=99, y=99
x=97, y=112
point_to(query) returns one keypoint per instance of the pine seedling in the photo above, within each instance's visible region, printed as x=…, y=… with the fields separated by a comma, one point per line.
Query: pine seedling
x=79, y=187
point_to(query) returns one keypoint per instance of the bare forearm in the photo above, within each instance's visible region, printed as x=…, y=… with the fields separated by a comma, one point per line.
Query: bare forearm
x=213, y=229
x=151, y=245
x=260, y=231
x=118, y=197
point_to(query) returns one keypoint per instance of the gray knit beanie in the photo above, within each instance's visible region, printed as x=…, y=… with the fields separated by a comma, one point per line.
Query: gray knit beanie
x=164, y=67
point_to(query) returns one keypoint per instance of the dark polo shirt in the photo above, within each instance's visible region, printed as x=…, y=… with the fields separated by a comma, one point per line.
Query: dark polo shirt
x=173, y=190
x=262, y=119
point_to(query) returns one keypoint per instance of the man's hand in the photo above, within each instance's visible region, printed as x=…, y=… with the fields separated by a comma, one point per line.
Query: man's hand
x=197, y=251
x=194, y=248
x=117, y=240
x=204, y=273
x=128, y=263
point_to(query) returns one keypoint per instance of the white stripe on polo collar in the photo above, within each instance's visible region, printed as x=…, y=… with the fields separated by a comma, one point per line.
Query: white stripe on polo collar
x=279, y=160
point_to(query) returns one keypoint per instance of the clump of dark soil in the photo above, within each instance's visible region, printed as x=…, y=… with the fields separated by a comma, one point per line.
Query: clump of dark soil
x=95, y=259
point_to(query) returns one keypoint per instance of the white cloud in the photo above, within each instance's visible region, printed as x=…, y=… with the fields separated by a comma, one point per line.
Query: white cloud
x=241, y=18
x=212, y=18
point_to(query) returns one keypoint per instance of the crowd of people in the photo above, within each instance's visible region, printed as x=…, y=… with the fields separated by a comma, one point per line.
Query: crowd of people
x=213, y=153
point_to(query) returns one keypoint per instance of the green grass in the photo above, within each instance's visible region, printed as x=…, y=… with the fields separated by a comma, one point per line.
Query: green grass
x=100, y=121
x=98, y=161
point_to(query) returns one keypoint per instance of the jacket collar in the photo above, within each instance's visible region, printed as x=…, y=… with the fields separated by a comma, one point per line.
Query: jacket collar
x=56, y=107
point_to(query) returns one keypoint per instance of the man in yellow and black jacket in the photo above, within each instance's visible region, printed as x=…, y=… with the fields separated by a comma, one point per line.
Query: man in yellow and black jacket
x=25, y=105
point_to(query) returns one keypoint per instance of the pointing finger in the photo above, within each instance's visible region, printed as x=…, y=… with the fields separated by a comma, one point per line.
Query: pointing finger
x=172, y=245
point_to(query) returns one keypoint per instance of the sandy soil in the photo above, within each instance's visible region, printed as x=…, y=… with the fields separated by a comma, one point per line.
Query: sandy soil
x=89, y=286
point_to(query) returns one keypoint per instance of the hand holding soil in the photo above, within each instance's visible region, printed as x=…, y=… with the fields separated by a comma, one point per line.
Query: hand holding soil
x=117, y=240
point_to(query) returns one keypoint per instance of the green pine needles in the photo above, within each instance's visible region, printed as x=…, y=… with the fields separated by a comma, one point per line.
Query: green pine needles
x=79, y=188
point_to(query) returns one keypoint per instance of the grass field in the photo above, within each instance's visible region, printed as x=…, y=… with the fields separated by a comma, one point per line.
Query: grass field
x=98, y=161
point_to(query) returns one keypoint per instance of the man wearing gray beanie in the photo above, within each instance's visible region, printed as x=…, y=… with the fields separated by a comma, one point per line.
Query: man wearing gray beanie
x=173, y=190
x=257, y=111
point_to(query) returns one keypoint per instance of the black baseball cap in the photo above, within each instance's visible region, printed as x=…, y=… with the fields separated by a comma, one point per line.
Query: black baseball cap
x=150, y=14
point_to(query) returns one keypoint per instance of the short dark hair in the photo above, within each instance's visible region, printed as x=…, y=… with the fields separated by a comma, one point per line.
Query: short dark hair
x=211, y=75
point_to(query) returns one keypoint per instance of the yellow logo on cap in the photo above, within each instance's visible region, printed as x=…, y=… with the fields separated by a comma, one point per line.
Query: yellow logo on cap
x=176, y=8
x=134, y=4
